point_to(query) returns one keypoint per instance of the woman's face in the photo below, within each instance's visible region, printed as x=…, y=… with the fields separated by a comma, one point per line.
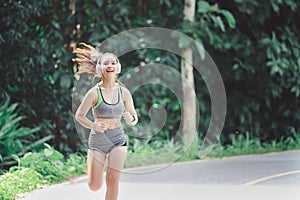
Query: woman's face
x=109, y=65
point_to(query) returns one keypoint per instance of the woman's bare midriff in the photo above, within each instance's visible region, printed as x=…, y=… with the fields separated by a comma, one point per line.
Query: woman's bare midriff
x=113, y=123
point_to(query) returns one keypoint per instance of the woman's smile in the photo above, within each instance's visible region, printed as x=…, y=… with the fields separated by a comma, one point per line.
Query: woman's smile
x=110, y=69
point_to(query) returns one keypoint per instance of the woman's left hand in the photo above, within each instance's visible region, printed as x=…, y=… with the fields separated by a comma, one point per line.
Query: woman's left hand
x=128, y=117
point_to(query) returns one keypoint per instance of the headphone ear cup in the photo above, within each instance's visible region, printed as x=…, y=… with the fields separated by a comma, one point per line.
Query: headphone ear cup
x=118, y=68
x=99, y=70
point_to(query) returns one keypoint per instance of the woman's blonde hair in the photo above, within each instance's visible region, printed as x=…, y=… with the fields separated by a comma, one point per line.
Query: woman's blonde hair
x=86, y=59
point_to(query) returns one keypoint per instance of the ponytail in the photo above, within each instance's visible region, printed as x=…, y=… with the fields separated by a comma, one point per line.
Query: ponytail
x=86, y=59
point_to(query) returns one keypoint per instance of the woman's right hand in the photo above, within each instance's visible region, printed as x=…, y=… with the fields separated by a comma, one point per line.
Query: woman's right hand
x=100, y=126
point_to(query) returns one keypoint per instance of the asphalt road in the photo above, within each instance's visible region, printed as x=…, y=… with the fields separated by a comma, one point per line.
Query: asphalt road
x=268, y=176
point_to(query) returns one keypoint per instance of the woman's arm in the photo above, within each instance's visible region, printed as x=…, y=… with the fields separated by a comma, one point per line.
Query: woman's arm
x=84, y=107
x=130, y=114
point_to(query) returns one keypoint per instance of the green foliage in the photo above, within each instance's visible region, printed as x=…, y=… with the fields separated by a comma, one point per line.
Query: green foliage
x=260, y=68
x=191, y=152
x=39, y=169
x=240, y=144
x=254, y=44
x=15, y=140
x=19, y=181
x=51, y=164
x=36, y=63
x=245, y=144
x=207, y=11
x=144, y=152
x=279, y=51
x=75, y=165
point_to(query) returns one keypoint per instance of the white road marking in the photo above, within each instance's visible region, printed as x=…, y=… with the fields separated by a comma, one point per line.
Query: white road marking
x=271, y=177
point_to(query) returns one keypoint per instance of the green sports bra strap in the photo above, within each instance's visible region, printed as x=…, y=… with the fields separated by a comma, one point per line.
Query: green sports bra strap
x=99, y=97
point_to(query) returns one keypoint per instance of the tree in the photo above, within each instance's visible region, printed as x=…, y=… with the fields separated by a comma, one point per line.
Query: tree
x=188, y=86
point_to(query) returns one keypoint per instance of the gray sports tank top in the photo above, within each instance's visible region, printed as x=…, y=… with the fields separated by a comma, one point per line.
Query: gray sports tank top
x=109, y=111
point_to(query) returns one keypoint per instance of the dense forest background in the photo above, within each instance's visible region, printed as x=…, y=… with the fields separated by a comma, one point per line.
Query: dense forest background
x=255, y=45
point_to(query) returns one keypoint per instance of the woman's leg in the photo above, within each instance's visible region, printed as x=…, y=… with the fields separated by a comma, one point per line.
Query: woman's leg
x=116, y=160
x=96, y=162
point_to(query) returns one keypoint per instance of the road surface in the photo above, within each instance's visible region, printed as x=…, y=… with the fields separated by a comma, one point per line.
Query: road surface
x=267, y=177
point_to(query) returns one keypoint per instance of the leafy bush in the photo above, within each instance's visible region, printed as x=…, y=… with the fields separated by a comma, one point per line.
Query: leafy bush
x=51, y=164
x=75, y=165
x=15, y=140
x=38, y=169
x=48, y=162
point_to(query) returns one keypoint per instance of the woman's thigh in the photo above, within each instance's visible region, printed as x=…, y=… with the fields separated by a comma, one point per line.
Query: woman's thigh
x=96, y=162
x=117, y=157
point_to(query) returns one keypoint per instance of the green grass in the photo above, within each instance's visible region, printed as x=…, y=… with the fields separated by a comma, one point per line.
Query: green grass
x=244, y=144
x=19, y=181
x=144, y=153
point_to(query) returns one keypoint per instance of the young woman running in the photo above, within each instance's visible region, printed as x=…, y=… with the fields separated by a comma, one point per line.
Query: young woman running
x=109, y=102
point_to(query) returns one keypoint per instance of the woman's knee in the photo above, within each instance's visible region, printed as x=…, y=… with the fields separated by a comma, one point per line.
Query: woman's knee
x=95, y=170
x=95, y=186
x=112, y=177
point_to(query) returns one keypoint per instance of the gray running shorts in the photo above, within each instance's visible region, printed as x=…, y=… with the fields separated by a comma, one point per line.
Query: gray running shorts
x=107, y=140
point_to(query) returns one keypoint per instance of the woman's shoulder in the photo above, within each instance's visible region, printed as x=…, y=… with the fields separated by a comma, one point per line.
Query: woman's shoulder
x=125, y=92
x=92, y=91
x=124, y=89
x=94, y=88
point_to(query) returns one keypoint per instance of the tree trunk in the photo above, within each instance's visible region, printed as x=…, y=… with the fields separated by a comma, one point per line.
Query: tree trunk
x=189, y=128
